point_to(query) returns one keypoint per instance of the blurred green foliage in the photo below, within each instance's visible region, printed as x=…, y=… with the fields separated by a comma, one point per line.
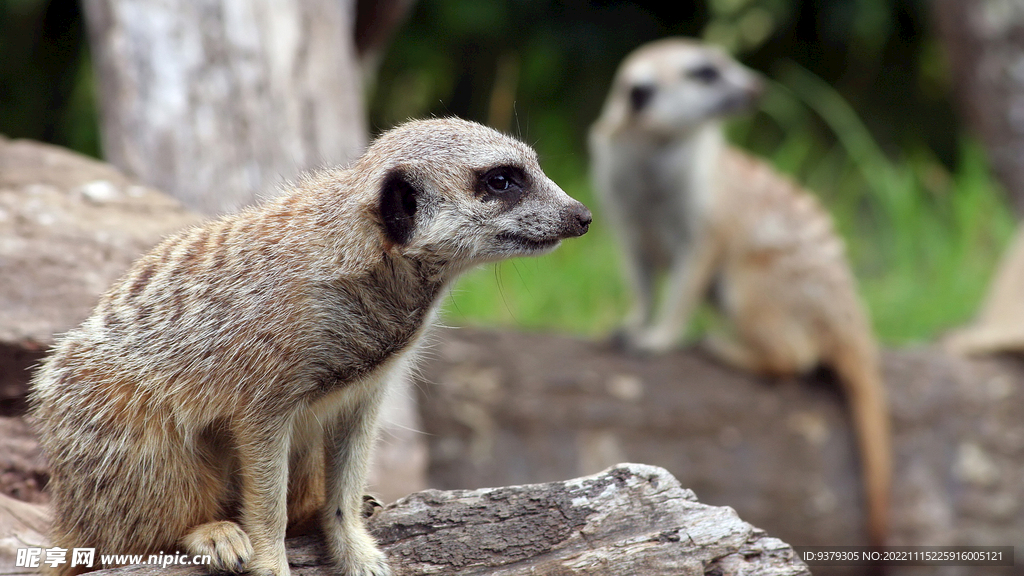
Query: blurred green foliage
x=46, y=83
x=859, y=111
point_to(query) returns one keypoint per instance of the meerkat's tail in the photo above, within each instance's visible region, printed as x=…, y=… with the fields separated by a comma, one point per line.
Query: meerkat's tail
x=858, y=368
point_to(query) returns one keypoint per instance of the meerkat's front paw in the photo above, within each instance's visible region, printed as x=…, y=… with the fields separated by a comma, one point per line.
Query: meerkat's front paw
x=225, y=543
x=374, y=564
x=355, y=552
x=642, y=342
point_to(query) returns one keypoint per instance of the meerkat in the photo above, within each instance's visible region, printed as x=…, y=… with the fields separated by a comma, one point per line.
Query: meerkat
x=227, y=387
x=714, y=219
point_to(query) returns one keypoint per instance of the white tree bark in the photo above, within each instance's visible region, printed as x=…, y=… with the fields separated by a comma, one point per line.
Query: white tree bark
x=218, y=101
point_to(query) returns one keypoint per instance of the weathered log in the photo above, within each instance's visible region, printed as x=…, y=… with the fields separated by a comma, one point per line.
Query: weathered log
x=518, y=408
x=629, y=519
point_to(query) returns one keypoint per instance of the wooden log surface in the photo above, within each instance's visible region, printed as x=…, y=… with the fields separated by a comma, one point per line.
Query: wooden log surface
x=629, y=519
x=536, y=407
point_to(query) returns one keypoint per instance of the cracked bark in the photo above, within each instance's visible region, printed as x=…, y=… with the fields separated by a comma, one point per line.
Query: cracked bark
x=629, y=519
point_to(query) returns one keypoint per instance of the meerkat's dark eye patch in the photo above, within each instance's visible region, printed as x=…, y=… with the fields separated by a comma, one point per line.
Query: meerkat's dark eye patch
x=505, y=183
x=640, y=95
x=705, y=73
x=398, y=207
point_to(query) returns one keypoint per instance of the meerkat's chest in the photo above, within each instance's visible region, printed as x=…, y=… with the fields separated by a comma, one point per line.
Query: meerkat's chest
x=359, y=332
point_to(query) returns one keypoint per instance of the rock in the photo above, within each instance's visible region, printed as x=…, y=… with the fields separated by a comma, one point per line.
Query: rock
x=69, y=227
x=999, y=326
x=22, y=525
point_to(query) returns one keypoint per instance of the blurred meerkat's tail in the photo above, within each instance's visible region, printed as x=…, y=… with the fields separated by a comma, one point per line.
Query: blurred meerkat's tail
x=859, y=369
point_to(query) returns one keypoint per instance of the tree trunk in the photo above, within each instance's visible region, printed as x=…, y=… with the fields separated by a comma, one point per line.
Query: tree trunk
x=218, y=101
x=984, y=42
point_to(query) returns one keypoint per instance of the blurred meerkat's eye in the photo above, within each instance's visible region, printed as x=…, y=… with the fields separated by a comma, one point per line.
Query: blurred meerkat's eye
x=640, y=95
x=705, y=74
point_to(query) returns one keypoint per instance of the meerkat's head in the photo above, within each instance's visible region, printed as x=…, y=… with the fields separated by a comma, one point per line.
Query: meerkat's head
x=670, y=87
x=459, y=193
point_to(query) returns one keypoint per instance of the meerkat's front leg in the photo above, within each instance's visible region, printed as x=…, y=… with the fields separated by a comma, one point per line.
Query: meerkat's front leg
x=640, y=271
x=263, y=461
x=347, y=444
x=689, y=277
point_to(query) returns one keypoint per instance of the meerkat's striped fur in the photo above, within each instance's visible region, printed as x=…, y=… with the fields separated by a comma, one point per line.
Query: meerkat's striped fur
x=229, y=384
x=710, y=216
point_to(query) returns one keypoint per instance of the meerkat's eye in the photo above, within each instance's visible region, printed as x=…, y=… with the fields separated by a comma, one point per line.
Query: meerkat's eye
x=498, y=183
x=501, y=181
x=705, y=74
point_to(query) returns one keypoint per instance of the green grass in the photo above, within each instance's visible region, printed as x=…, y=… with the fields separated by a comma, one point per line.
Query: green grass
x=923, y=242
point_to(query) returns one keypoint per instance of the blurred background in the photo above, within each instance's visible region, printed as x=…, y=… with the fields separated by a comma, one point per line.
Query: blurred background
x=860, y=110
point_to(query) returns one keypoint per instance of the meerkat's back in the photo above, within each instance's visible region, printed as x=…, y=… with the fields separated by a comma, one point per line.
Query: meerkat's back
x=788, y=292
x=781, y=243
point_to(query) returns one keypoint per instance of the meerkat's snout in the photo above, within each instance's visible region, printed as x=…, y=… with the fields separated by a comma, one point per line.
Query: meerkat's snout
x=748, y=92
x=578, y=219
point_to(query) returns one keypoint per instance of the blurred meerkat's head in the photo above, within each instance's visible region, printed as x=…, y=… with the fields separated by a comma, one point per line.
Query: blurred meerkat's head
x=670, y=87
x=458, y=193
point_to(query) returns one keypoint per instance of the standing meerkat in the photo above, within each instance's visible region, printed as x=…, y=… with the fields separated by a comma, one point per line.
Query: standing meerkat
x=228, y=386
x=709, y=216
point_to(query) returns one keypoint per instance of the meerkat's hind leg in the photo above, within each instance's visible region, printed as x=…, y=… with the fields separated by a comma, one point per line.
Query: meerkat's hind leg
x=224, y=542
x=371, y=506
x=729, y=351
x=777, y=349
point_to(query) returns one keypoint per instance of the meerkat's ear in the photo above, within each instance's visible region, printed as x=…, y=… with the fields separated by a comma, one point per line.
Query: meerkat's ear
x=398, y=206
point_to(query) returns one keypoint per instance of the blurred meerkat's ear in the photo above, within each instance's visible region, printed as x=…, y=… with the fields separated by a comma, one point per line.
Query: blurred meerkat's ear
x=398, y=206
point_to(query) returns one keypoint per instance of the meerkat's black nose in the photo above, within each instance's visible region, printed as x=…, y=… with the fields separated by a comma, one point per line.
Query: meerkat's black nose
x=579, y=220
x=640, y=95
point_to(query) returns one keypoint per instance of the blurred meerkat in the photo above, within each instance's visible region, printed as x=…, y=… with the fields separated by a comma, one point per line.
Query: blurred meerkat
x=709, y=216
x=228, y=386
x=999, y=325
